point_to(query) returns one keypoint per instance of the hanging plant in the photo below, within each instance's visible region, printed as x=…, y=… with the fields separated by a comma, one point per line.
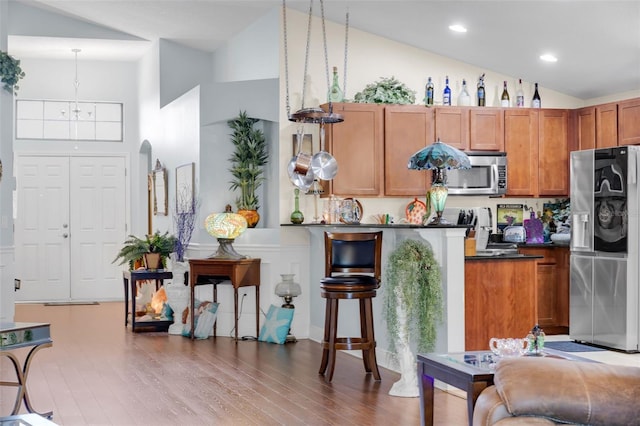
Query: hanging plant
x=10, y=72
x=413, y=280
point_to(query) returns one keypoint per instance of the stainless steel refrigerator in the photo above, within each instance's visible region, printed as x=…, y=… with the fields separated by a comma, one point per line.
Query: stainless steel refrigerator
x=605, y=236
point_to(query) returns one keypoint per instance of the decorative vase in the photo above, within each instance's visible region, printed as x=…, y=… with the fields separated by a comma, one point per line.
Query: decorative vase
x=252, y=217
x=297, y=217
x=177, y=295
x=407, y=386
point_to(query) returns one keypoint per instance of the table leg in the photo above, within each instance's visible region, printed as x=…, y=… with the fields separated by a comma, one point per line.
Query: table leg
x=126, y=300
x=426, y=397
x=22, y=374
x=473, y=391
x=257, y=311
x=134, y=293
x=235, y=310
x=215, y=300
x=194, y=277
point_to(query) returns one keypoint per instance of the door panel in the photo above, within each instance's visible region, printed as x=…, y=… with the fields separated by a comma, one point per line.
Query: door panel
x=581, y=298
x=42, y=250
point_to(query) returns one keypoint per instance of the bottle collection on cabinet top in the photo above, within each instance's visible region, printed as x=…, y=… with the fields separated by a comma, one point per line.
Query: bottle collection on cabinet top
x=465, y=99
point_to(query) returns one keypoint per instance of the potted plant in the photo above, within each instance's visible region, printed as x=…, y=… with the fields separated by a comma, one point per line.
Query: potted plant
x=413, y=307
x=10, y=72
x=247, y=161
x=153, y=249
x=387, y=90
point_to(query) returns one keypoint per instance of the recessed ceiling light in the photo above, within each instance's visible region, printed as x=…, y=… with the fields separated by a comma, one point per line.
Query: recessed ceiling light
x=548, y=57
x=458, y=28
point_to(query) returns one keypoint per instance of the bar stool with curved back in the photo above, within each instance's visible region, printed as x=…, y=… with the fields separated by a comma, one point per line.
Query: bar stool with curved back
x=352, y=271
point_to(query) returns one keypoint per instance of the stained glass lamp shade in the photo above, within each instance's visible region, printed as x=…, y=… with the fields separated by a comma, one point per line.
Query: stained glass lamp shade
x=226, y=227
x=439, y=157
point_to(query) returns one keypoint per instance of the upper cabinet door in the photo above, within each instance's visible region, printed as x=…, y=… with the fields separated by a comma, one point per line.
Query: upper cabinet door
x=586, y=127
x=358, y=146
x=629, y=122
x=521, y=146
x=407, y=129
x=607, y=125
x=553, y=151
x=486, y=129
x=452, y=126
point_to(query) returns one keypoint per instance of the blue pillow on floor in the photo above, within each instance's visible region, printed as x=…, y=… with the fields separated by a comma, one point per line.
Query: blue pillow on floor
x=276, y=325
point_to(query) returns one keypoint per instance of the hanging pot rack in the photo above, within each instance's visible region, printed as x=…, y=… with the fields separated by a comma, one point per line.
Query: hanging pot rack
x=311, y=115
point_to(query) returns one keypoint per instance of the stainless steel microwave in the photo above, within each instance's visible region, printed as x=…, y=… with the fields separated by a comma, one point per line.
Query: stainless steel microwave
x=487, y=175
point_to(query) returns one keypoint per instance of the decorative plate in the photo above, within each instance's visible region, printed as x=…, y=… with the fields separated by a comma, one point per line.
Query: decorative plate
x=351, y=217
x=415, y=212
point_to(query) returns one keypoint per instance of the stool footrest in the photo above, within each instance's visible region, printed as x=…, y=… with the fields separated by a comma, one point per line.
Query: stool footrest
x=350, y=343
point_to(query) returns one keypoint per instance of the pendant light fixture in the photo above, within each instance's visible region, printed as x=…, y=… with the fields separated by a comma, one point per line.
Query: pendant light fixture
x=75, y=108
x=314, y=115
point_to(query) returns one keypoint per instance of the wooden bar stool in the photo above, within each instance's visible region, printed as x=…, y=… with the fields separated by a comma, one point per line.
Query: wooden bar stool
x=352, y=271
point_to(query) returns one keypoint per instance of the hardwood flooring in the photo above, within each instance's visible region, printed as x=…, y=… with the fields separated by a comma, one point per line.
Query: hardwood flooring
x=100, y=373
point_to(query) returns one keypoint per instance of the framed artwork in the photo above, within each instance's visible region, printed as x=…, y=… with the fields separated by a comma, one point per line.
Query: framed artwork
x=160, y=202
x=305, y=146
x=184, y=188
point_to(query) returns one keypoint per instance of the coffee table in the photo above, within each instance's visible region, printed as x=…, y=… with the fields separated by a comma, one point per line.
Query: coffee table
x=470, y=371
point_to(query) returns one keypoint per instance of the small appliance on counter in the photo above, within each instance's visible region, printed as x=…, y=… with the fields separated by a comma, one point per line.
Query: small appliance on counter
x=514, y=234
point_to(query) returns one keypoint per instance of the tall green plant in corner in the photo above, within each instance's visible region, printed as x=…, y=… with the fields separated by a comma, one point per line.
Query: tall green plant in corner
x=10, y=72
x=413, y=281
x=247, y=161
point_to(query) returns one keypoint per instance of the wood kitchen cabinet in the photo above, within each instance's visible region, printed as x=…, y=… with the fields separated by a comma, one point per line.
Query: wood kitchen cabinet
x=486, y=129
x=552, y=287
x=606, y=125
x=357, y=144
x=537, y=146
x=629, y=122
x=452, y=126
x=407, y=129
x=585, y=122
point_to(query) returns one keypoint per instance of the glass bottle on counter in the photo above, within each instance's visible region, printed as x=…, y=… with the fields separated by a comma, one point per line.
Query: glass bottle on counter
x=520, y=95
x=446, y=95
x=428, y=93
x=535, y=102
x=464, y=99
x=296, y=216
x=504, y=99
x=481, y=91
x=335, y=92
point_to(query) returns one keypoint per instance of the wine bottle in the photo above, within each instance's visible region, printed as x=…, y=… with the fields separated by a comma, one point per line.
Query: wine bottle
x=335, y=93
x=428, y=93
x=504, y=99
x=446, y=96
x=464, y=99
x=535, y=102
x=520, y=95
x=481, y=92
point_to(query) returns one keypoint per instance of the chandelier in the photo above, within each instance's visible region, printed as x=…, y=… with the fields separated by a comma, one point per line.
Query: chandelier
x=75, y=111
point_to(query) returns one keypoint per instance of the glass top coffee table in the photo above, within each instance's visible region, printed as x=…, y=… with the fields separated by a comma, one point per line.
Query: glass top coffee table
x=470, y=371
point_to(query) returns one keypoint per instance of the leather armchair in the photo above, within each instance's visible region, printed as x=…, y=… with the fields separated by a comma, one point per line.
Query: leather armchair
x=548, y=391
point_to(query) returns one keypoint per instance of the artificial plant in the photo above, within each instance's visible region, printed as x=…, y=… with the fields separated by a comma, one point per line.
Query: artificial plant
x=10, y=72
x=134, y=248
x=413, y=280
x=249, y=156
x=184, y=219
x=387, y=90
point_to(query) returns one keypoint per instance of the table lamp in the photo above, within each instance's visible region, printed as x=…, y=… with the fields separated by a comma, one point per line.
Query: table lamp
x=288, y=289
x=439, y=157
x=226, y=227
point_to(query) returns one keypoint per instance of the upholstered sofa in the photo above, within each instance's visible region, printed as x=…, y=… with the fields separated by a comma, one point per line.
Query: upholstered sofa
x=548, y=391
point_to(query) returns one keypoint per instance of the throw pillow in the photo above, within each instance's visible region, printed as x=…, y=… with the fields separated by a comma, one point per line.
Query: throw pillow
x=206, y=313
x=276, y=325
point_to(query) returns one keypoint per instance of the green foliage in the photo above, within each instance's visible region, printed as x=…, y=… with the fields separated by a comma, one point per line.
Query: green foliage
x=413, y=279
x=134, y=248
x=387, y=90
x=10, y=71
x=247, y=160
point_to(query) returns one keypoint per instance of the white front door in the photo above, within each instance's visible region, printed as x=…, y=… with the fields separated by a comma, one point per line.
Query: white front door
x=78, y=205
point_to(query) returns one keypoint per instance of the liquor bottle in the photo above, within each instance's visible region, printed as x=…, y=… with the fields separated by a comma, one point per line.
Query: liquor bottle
x=464, y=99
x=504, y=99
x=520, y=95
x=535, y=102
x=335, y=93
x=481, y=92
x=428, y=93
x=446, y=96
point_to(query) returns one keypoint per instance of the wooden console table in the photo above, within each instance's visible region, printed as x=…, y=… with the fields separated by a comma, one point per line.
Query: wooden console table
x=131, y=277
x=16, y=335
x=241, y=273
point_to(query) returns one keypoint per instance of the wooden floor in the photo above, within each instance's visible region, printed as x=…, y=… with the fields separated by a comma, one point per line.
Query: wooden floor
x=99, y=373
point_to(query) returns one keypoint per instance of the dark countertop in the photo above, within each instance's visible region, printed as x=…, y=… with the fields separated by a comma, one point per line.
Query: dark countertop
x=374, y=225
x=515, y=256
x=543, y=245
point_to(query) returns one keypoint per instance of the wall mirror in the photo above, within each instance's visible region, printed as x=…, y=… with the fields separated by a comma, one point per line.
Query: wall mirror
x=160, y=192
